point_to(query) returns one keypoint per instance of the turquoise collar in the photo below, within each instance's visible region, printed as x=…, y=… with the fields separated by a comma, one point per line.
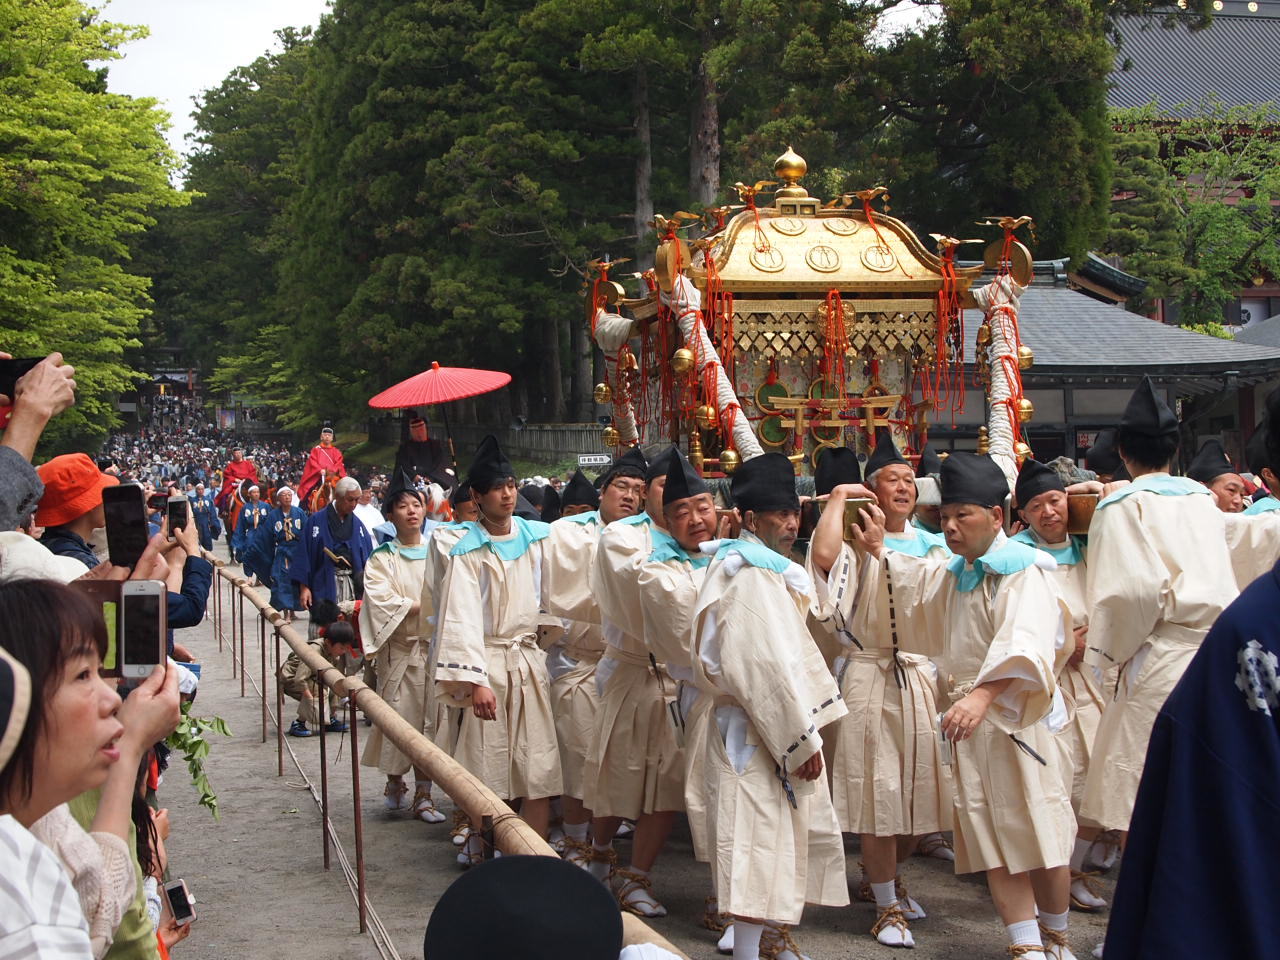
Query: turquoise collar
x=636, y=520
x=1159, y=483
x=755, y=554
x=1265, y=505
x=665, y=547
x=527, y=533
x=915, y=542
x=1009, y=557
x=416, y=552
x=1067, y=556
x=591, y=516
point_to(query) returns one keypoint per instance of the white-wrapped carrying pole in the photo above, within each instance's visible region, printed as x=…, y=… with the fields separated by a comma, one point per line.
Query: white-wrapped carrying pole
x=686, y=302
x=612, y=331
x=1003, y=291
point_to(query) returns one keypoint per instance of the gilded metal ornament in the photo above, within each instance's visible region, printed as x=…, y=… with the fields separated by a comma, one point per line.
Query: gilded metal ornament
x=705, y=416
x=823, y=258
x=610, y=437
x=602, y=394
x=682, y=361
x=1026, y=357
x=729, y=460
x=1026, y=410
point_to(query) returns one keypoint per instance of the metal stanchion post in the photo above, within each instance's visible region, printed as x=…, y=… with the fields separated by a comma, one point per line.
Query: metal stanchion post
x=231, y=615
x=279, y=712
x=322, y=696
x=217, y=607
x=262, y=646
x=359, y=825
x=240, y=610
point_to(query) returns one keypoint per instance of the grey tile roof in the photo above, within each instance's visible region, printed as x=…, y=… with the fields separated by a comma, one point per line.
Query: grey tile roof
x=1072, y=332
x=1234, y=57
x=1264, y=333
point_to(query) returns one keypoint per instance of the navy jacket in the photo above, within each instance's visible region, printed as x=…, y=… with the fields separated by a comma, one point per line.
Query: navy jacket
x=1206, y=824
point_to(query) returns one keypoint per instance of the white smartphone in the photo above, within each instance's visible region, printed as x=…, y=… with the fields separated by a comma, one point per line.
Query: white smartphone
x=180, y=903
x=142, y=627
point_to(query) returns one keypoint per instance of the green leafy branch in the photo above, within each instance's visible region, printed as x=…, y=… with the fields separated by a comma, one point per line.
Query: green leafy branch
x=189, y=740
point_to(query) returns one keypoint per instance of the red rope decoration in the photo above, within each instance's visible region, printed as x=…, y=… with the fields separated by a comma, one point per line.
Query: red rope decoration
x=835, y=344
x=947, y=387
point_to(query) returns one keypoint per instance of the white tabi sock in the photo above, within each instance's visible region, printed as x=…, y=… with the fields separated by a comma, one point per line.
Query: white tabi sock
x=599, y=866
x=1078, y=854
x=1025, y=932
x=746, y=940
x=885, y=893
x=1054, y=921
x=577, y=831
x=891, y=935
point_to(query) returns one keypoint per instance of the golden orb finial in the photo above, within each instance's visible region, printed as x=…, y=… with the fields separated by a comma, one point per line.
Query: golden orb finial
x=789, y=168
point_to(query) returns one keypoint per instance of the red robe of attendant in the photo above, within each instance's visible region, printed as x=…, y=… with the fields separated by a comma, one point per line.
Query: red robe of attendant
x=235, y=471
x=322, y=458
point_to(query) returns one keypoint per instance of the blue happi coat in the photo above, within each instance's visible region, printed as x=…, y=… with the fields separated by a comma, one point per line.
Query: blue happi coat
x=274, y=548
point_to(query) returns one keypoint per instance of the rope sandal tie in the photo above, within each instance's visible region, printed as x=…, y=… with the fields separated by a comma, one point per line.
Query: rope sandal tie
x=1091, y=883
x=577, y=852
x=424, y=808
x=1055, y=941
x=712, y=918
x=776, y=939
x=395, y=793
x=1017, y=950
x=633, y=882
x=889, y=917
x=933, y=843
x=461, y=827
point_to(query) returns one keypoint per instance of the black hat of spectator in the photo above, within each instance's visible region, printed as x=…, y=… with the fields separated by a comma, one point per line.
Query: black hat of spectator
x=1034, y=479
x=1147, y=413
x=579, y=492
x=973, y=478
x=490, y=464
x=885, y=453
x=683, y=481
x=533, y=908
x=633, y=459
x=836, y=465
x=766, y=482
x=930, y=463
x=550, y=506
x=1210, y=463
x=660, y=464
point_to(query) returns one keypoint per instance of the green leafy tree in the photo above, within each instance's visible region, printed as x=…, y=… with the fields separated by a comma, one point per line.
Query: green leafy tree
x=82, y=172
x=1199, y=217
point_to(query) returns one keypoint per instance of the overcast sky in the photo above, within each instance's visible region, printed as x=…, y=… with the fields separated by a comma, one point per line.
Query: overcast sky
x=194, y=44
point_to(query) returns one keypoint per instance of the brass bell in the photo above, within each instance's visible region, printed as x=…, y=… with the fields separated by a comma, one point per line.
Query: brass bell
x=1021, y=451
x=602, y=394
x=610, y=437
x=1026, y=357
x=696, y=459
x=1026, y=410
x=984, y=335
x=729, y=460
x=705, y=416
x=682, y=361
x=628, y=361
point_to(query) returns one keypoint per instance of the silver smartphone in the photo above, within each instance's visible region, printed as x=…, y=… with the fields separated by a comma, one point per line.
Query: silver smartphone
x=142, y=627
x=180, y=905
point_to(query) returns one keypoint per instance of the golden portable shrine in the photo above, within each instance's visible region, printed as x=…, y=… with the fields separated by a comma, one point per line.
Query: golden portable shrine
x=801, y=325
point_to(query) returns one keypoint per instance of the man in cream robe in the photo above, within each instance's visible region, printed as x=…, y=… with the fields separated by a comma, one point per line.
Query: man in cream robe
x=1159, y=574
x=570, y=553
x=771, y=829
x=395, y=631
x=646, y=580
x=487, y=659
x=887, y=776
x=1005, y=629
x=1041, y=499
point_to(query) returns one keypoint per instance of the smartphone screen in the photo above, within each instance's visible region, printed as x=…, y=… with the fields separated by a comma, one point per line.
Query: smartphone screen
x=11, y=371
x=143, y=642
x=126, y=524
x=179, y=902
x=177, y=514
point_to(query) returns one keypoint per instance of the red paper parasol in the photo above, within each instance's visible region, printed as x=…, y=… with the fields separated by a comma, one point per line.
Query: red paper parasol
x=439, y=385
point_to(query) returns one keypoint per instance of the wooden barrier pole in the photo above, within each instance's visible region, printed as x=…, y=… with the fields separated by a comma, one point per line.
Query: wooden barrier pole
x=240, y=607
x=279, y=712
x=322, y=697
x=262, y=646
x=353, y=725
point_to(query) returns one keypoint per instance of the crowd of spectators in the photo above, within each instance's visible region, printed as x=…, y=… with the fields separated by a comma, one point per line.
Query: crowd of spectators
x=82, y=754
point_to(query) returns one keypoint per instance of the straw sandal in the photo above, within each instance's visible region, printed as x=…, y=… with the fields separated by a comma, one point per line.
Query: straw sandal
x=712, y=918
x=634, y=883
x=424, y=808
x=892, y=917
